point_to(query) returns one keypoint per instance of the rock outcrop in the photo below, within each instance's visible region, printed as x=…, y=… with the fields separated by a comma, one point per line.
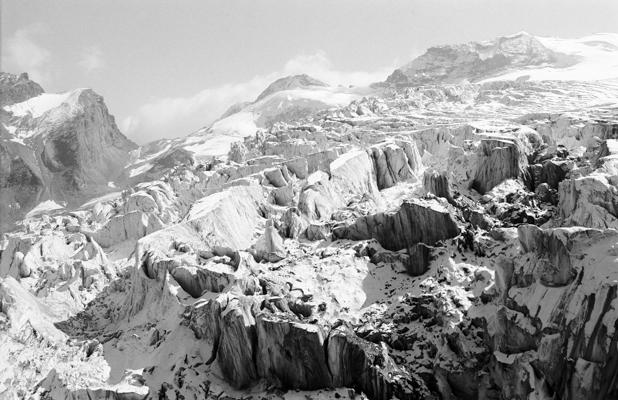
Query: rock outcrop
x=369, y=368
x=62, y=147
x=17, y=88
x=498, y=159
x=395, y=163
x=414, y=222
x=291, y=353
x=352, y=175
x=558, y=271
x=269, y=246
x=437, y=184
x=589, y=201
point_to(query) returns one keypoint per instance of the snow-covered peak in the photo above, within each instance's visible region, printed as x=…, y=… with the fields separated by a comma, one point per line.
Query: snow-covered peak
x=473, y=61
x=520, y=55
x=290, y=82
x=41, y=104
x=286, y=99
x=38, y=105
x=589, y=58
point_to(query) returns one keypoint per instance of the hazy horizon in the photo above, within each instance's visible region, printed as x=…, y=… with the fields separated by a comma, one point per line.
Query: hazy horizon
x=158, y=86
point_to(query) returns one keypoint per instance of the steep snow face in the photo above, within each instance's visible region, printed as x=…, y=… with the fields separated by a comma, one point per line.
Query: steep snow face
x=521, y=55
x=216, y=140
x=39, y=105
x=240, y=124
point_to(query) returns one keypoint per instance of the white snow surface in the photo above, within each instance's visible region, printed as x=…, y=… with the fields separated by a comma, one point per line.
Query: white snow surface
x=216, y=140
x=332, y=96
x=241, y=124
x=597, y=60
x=140, y=170
x=44, y=207
x=38, y=105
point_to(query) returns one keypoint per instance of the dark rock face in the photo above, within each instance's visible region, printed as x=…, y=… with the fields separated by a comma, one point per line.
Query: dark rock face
x=229, y=324
x=554, y=264
x=415, y=221
x=75, y=151
x=251, y=344
x=292, y=223
x=498, y=159
x=452, y=64
x=419, y=259
x=21, y=181
x=392, y=163
x=292, y=352
x=554, y=172
x=169, y=159
x=195, y=281
x=478, y=219
x=17, y=88
x=437, y=183
x=545, y=194
x=237, y=345
x=589, y=201
x=509, y=337
x=368, y=367
x=575, y=351
x=549, y=172
x=87, y=150
x=318, y=231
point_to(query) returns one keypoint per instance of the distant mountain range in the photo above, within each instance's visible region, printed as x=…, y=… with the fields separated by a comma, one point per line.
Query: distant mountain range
x=67, y=148
x=510, y=57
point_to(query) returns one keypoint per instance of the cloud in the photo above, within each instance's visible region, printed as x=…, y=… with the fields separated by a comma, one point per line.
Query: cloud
x=24, y=54
x=91, y=59
x=178, y=116
x=320, y=67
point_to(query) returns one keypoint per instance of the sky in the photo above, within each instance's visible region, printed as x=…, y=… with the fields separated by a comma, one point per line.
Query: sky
x=168, y=68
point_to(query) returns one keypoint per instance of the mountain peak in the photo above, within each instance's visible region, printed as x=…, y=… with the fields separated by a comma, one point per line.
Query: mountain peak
x=290, y=82
x=17, y=88
x=473, y=61
x=518, y=34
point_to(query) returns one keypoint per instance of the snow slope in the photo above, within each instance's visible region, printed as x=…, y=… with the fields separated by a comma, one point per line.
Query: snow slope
x=38, y=105
x=282, y=105
x=597, y=59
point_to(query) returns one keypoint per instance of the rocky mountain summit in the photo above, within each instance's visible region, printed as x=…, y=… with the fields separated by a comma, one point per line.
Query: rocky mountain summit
x=17, y=88
x=437, y=241
x=521, y=53
x=61, y=148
